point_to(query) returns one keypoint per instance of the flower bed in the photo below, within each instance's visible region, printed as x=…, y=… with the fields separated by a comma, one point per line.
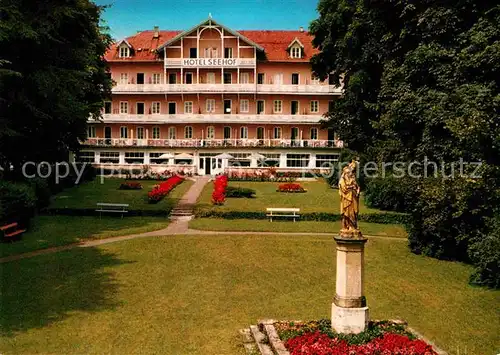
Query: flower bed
x=130, y=185
x=219, y=193
x=161, y=190
x=269, y=174
x=290, y=187
x=380, y=338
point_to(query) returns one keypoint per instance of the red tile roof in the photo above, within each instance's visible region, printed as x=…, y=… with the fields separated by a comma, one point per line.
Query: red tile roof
x=275, y=44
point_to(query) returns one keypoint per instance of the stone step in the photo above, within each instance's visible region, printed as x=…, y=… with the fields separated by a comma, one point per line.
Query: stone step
x=261, y=340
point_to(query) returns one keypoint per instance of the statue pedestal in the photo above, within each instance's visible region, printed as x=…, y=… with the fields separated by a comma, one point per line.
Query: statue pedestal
x=349, y=310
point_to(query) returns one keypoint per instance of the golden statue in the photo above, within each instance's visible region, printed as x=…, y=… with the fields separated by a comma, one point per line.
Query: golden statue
x=349, y=197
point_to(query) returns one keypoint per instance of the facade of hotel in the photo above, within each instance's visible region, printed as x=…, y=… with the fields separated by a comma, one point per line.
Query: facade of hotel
x=186, y=97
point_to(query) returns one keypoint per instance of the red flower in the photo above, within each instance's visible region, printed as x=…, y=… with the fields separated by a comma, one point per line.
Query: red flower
x=160, y=191
x=219, y=193
x=290, y=187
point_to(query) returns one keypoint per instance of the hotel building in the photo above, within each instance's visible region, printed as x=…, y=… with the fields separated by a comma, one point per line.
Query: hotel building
x=186, y=97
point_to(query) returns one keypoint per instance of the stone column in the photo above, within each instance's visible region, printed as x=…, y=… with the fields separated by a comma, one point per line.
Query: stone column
x=349, y=310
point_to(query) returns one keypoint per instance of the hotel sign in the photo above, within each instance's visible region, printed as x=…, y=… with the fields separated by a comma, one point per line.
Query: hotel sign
x=210, y=62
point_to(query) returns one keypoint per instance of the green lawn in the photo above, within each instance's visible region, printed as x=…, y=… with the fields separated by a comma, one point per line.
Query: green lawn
x=191, y=294
x=52, y=231
x=90, y=193
x=319, y=198
x=254, y=225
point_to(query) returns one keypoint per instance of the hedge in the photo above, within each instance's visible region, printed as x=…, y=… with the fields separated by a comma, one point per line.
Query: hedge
x=383, y=218
x=18, y=202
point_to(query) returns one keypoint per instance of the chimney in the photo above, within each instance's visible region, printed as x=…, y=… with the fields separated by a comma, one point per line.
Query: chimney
x=156, y=32
x=301, y=29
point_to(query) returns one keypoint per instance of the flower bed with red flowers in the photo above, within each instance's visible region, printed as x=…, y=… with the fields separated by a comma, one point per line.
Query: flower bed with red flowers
x=290, y=187
x=380, y=338
x=219, y=193
x=130, y=185
x=163, y=189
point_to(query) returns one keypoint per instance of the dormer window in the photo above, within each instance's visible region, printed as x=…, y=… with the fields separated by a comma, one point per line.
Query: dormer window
x=296, y=52
x=124, y=52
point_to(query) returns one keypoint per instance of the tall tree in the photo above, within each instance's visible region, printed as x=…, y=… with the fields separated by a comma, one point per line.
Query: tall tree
x=421, y=79
x=53, y=77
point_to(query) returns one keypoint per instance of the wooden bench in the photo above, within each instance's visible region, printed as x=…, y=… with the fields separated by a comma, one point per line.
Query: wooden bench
x=11, y=232
x=121, y=208
x=283, y=212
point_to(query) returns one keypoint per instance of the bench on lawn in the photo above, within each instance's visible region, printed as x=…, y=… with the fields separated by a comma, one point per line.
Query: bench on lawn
x=10, y=232
x=112, y=208
x=283, y=212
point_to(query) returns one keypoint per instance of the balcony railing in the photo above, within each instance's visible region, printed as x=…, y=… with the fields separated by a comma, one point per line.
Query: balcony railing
x=214, y=143
x=211, y=118
x=226, y=88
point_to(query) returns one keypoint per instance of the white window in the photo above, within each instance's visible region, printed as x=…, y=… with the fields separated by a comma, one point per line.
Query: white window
x=156, y=78
x=155, y=108
x=123, y=107
x=244, y=105
x=277, y=107
x=109, y=157
x=297, y=160
x=156, y=132
x=296, y=52
x=228, y=52
x=314, y=106
x=134, y=158
x=277, y=132
x=91, y=132
x=123, y=78
x=140, y=133
x=314, y=133
x=188, y=132
x=188, y=107
x=210, y=132
x=326, y=160
x=245, y=78
x=123, y=132
x=210, y=105
x=244, y=132
x=172, y=133
x=85, y=157
x=278, y=79
x=124, y=52
x=210, y=78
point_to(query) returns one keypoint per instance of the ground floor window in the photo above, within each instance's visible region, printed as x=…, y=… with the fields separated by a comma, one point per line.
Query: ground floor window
x=239, y=159
x=154, y=158
x=270, y=160
x=85, y=157
x=297, y=160
x=326, y=160
x=134, y=158
x=109, y=157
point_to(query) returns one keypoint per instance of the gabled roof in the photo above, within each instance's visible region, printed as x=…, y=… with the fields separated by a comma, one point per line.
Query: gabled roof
x=211, y=22
x=124, y=41
x=295, y=40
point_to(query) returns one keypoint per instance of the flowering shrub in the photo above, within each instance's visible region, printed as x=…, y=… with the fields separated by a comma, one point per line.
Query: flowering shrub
x=219, y=193
x=290, y=187
x=161, y=190
x=270, y=174
x=130, y=185
x=318, y=343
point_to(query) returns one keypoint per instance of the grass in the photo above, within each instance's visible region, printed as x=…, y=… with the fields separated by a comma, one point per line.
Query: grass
x=191, y=294
x=252, y=225
x=88, y=194
x=53, y=231
x=319, y=198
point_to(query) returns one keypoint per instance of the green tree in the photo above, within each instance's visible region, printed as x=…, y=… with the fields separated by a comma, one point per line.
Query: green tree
x=421, y=79
x=53, y=77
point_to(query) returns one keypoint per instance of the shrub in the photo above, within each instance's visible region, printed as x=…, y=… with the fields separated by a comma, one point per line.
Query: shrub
x=42, y=191
x=219, y=193
x=163, y=189
x=239, y=192
x=390, y=194
x=18, y=201
x=290, y=188
x=130, y=185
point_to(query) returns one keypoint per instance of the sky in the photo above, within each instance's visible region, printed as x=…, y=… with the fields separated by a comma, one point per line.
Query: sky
x=126, y=17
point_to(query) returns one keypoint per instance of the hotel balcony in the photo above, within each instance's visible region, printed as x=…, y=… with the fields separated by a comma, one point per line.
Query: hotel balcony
x=210, y=62
x=316, y=89
x=210, y=118
x=213, y=143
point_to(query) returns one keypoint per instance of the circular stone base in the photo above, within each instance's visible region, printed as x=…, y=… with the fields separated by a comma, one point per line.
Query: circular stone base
x=349, y=320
